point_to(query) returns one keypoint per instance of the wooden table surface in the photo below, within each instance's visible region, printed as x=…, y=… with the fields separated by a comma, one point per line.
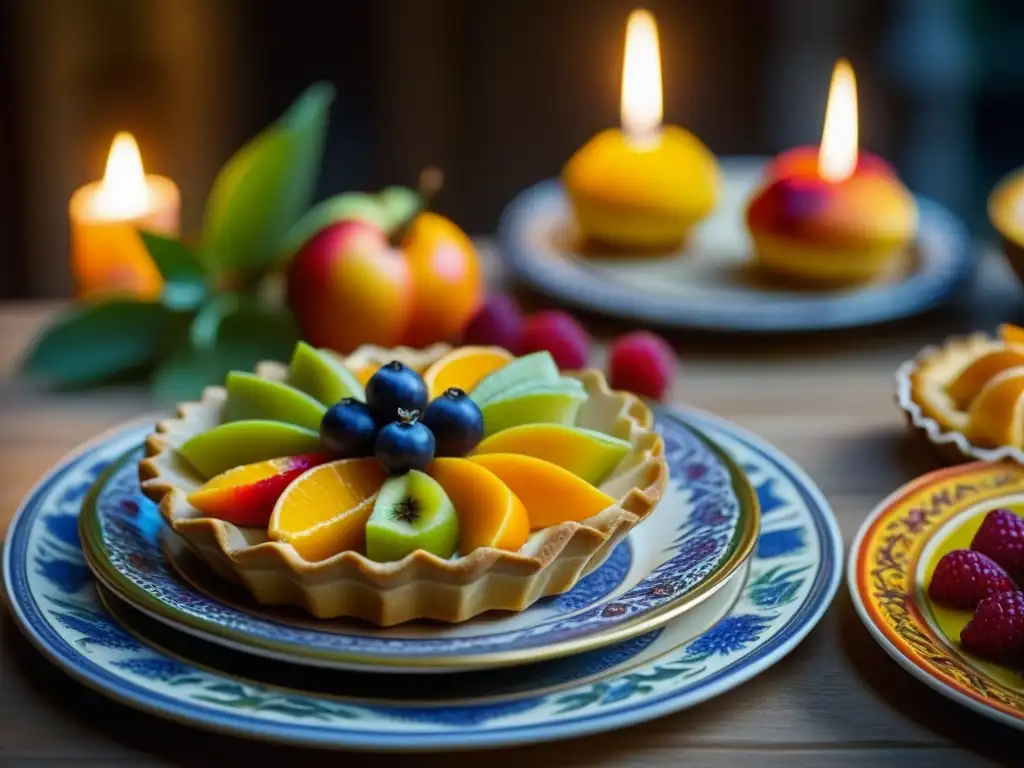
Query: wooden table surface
x=837, y=700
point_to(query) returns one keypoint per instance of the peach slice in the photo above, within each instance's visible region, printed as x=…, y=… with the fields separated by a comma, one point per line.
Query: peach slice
x=464, y=368
x=1011, y=334
x=246, y=495
x=365, y=372
x=551, y=494
x=324, y=511
x=490, y=515
x=995, y=416
x=589, y=455
x=969, y=382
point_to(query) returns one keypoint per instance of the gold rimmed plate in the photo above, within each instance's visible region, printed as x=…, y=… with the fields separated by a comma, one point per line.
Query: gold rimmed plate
x=702, y=531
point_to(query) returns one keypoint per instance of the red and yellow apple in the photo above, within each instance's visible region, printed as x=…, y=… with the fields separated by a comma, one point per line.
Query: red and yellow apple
x=397, y=275
x=246, y=495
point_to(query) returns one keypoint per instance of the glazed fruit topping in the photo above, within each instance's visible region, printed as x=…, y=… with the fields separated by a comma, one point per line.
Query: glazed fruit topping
x=996, y=632
x=1001, y=537
x=348, y=429
x=405, y=444
x=963, y=578
x=395, y=386
x=456, y=421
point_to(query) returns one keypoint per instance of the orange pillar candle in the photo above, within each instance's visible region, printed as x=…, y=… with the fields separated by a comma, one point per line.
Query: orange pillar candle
x=831, y=216
x=107, y=253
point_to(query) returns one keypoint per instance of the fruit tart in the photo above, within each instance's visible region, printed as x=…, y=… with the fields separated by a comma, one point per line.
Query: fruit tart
x=967, y=395
x=398, y=484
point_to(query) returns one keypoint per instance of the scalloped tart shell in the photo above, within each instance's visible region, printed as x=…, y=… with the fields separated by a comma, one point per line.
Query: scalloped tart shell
x=421, y=585
x=950, y=410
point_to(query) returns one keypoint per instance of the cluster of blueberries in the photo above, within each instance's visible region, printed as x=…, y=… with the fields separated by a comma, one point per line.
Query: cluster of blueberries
x=398, y=426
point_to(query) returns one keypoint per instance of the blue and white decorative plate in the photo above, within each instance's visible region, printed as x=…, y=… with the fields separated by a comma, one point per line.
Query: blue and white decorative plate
x=703, y=529
x=708, y=286
x=793, y=576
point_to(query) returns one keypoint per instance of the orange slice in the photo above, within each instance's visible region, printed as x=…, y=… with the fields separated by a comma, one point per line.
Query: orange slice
x=551, y=494
x=1011, y=334
x=588, y=454
x=463, y=368
x=996, y=416
x=969, y=382
x=490, y=515
x=364, y=373
x=324, y=511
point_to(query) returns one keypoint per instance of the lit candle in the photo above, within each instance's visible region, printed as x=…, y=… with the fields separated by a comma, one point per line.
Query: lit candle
x=831, y=216
x=642, y=187
x=107, y=254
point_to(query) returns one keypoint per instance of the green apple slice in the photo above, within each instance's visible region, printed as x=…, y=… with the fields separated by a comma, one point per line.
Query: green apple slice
x=253, y=397
x=536, y=369
x=246, y=442
x=320, y=374
x=411, y=512
x=588, y=454
x=556, y=403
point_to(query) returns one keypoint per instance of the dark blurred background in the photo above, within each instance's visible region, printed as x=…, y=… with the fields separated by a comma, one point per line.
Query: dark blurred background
x=498, y=93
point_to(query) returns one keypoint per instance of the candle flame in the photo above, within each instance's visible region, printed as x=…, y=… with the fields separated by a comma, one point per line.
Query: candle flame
x=123, y=193
x=641, y=102
x=837, y=156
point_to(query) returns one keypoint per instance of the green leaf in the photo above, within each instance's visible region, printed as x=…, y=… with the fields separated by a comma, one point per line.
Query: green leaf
x=96, y=342
x=185, y=285
x=229, y=333
x=266, y=186
x=347, y=205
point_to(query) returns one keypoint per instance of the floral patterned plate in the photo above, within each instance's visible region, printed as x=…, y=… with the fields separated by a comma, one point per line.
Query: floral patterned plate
x=700, y=533
x=793, y=575
x=891, y=562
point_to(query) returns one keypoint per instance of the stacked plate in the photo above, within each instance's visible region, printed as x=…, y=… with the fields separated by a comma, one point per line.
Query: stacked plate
x=730, y=572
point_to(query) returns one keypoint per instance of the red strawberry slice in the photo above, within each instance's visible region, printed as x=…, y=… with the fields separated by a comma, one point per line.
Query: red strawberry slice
x=996, y=632
x=1001, y=537
x=963, y=578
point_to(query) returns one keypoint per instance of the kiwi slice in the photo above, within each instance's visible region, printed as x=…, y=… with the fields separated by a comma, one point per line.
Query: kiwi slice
x=412, y=512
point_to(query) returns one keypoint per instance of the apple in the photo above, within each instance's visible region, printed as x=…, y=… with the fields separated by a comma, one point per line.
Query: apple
x=348, y=286
x=345, y=285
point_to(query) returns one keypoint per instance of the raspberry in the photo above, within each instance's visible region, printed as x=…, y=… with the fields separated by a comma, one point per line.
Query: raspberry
x=963, y=578
x=642, y=362
x=997, y=630
x=558, y=333
x=1001, y=537
x=498, y=322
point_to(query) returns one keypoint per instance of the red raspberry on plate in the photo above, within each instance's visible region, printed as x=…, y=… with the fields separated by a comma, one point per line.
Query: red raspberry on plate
x=1001, y=537
x=963, y=578
x=642, y=363
x=996, y=632
x=560, y=334
x=498, y=322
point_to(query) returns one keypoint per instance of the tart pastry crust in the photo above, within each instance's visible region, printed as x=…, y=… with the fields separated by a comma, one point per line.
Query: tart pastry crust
x=422, y=585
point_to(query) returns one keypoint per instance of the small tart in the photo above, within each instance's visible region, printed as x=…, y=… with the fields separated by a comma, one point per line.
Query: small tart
x=421, y=585
x=967, y=395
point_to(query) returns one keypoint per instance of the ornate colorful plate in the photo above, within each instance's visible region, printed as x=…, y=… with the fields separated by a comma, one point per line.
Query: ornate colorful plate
x=793, y=576
x=703, y=529
x=709, y=285
x=891, y=564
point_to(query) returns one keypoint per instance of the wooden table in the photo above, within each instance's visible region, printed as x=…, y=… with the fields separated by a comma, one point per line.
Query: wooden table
x=837, y=700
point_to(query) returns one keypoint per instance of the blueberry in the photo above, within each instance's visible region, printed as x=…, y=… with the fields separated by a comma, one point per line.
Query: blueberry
x=456, y=421
x=405, y=444
x=392, y=387
x=348, y=429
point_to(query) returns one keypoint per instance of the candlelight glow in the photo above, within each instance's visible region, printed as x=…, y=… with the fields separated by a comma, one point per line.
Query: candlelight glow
x=837, y=156
x=123, y=193
x=640, y=106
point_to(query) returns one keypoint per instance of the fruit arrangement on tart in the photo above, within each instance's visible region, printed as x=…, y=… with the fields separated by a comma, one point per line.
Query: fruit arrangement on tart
x=400, y=484
x=967, y=396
